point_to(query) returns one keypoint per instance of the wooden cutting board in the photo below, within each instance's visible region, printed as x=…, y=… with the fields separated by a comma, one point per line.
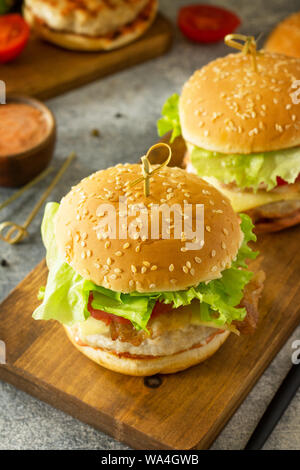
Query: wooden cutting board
x=44, y=70
x=190, y=408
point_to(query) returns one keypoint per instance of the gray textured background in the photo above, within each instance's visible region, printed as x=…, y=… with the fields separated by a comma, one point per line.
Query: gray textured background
x=138, y=94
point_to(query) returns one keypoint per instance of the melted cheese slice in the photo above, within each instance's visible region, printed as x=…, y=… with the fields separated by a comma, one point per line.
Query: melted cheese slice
x=243, y=201
x=92, y=326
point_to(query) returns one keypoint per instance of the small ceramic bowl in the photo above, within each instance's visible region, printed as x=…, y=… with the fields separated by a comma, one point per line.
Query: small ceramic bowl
x=20, y=168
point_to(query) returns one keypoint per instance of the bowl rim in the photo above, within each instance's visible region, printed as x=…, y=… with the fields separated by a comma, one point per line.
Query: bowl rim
x=51, y=134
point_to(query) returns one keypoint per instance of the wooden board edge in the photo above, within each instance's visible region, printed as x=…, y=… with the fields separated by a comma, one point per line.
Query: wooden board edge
x=86, y=414
x=93, y=76
x=253, y=378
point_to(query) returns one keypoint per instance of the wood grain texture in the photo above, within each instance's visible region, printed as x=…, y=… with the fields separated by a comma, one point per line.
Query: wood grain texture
x=44, y=70
x=190, y=408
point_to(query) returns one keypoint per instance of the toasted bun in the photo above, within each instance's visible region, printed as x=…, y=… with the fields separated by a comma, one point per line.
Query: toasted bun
x=150, y=366
x=80, y=42
x=285, y=38
x=140, y=264
x=228, y=107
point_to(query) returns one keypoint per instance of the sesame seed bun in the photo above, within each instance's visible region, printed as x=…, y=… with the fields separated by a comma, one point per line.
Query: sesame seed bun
x=169, y=364
x=138, y=264
x=92, y=41
x=285, y=38
x=227, y=107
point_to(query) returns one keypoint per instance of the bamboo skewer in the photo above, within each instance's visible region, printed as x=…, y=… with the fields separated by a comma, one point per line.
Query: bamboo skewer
x=21, y=230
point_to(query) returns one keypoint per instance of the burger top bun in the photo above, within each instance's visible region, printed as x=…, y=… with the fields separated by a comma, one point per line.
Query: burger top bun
x=229, y=107
x=134, y=262
x=285, y=38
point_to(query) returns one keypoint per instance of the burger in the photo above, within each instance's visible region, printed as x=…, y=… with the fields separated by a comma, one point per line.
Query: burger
x=241, y=127
x=285, y=37
x=92, y=25
x=139, y=304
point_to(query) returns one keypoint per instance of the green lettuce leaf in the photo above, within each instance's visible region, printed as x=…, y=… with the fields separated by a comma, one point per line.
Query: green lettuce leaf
x=170, y=118
x=66, y=294
x=248, y=171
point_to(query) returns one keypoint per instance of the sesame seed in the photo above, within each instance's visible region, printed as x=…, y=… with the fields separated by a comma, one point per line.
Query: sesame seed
x=185, y=269
x=131, y=283
x=208, y=228
x=113, y=276
x=108, y=261
x=137, y=249
x=154, y=267
x=213, y=253
x=225, y=231
x=143, y=269
x=152, y=286
x=188, y=264
x=146, y=263
x=192, y=271
x=83, y=244
x=89, y=253
x=83, y=255
x=198, y=260
x=133, y=268
x=107, y=244
x=183, y=248
x=171, y=267
x=224, y=245
x=214, y=268
x=118, y=253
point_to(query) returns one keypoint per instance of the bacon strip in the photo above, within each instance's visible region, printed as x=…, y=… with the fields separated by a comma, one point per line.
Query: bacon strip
x=252, y=293
x=275, y=225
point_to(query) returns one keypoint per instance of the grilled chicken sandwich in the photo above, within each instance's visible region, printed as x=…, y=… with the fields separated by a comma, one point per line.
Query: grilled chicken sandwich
x=139, y=304
x=90, y=25
x=242, y=131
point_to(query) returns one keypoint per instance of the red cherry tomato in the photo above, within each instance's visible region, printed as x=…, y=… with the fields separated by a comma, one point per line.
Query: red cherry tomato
x=206, y=23
x=14, y=34
x=281, y=182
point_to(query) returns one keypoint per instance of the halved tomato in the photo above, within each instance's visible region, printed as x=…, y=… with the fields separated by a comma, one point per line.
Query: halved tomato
x=206, y=23
x=14, y=34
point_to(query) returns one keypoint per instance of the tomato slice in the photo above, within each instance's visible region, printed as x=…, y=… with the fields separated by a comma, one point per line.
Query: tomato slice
x=206, y=23
x=281, y=182
x=160, y=308
x=14, y=34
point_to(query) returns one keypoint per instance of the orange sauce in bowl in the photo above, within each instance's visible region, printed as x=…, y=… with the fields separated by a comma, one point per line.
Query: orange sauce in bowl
x=22, y=127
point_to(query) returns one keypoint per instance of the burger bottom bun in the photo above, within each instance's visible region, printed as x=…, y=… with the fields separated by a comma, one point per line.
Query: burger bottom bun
x=80, y=42
x=150, y=366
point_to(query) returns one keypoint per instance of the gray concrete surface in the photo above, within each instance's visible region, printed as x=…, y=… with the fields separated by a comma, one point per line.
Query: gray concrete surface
x=138, y=94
